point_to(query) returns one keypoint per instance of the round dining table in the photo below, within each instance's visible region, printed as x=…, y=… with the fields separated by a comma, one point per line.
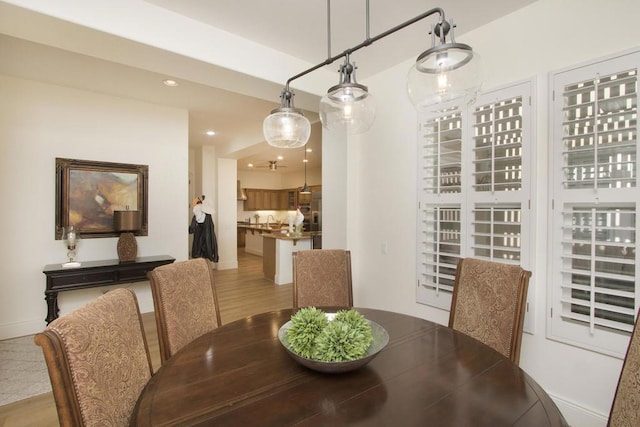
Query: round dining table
x=427, y=375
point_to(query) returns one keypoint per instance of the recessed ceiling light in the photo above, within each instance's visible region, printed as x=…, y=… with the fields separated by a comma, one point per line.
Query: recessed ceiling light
x=250, y=165
x=210, y=132
x=280, y=157
x=309, y=150
x=170, y=83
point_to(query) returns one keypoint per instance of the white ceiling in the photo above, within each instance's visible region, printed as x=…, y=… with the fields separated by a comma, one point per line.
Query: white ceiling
x=299, y=27
x=295, y=27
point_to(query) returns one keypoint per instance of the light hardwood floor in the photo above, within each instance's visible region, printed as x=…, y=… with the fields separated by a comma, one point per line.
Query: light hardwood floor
x=241, y=292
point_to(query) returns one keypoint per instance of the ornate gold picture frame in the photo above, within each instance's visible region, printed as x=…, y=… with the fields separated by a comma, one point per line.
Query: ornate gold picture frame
x=88, y=192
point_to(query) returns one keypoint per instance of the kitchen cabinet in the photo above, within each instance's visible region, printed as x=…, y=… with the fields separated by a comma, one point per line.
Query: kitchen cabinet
x=276, y=200
x=265, y=200
x=254, y=199
x=253, y=242
x=261, y=199
x=272, y=198
x=241, y=237
x=291, y=201
x=283, y=200
x=269, y=258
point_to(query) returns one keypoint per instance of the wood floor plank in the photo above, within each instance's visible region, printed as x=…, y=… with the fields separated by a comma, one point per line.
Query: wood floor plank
x=241, y=292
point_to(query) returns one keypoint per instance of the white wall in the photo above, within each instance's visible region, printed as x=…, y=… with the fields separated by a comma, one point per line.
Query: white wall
x=39, y=122
x=368, y=198
x=545, y=36
x=226, y=215
x=336, y=189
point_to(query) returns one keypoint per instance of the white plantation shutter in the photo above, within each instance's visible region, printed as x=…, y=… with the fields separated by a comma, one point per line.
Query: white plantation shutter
x=439, y=209
x=498, y=146
x=442, y=154
x=598, y=269
x=595, y=197
x=438, y=254
x=599, y=126
x=473, y=186
x=496, y=233
x=501, y=174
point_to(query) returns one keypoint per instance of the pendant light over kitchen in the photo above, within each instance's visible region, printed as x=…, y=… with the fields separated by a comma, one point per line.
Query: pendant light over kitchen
x=445, y=72
x=305, y=188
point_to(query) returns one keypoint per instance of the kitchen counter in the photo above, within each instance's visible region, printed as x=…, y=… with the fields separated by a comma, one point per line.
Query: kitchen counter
x=258, y=227
x=252, y=234
x=286, y=236
x=257, y=236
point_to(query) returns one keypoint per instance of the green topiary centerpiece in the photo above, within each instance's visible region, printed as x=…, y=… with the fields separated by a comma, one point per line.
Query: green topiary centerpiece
x=346, y=337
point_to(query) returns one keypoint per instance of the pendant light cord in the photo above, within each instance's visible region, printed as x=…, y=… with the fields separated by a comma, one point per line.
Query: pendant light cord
x=368, y=41
x=328, y=29
x=367, y=23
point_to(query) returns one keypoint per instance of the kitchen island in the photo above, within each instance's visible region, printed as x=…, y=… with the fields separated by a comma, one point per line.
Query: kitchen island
x=252, y=234
x=278, y=248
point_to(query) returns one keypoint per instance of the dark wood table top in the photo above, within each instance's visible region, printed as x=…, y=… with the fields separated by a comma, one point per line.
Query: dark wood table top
x=428, y=374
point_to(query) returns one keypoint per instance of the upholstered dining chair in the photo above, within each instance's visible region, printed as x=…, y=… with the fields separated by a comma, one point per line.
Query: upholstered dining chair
x=322, y=277
x=185, y=302
x=488, y=304
x=625, y=410
x=98, y=360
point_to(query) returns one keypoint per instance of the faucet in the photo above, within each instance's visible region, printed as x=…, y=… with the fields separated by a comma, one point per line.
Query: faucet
x=270, y=216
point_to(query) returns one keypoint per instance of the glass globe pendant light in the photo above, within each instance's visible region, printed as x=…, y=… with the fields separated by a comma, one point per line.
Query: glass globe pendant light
x=444, y=72
x=448, y=71
x=286, y=127
x=347, y=105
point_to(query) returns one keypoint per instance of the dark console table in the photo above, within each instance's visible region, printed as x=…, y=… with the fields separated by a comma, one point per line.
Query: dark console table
x=92, y=274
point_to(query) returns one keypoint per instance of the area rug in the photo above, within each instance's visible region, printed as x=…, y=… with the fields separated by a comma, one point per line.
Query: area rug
x=23, y=372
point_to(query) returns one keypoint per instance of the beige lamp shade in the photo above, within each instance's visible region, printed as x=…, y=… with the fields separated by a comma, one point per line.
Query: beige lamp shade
x=127, y=220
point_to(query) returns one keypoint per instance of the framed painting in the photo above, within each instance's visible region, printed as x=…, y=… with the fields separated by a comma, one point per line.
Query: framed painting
x=88, y=192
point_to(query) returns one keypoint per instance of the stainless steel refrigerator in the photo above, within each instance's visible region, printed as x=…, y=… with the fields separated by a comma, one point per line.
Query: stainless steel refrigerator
x=316, y=219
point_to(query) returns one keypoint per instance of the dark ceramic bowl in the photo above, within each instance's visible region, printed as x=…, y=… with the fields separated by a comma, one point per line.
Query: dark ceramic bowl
x=380, y=340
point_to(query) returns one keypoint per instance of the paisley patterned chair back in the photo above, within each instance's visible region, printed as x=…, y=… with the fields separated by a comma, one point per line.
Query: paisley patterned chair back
x=185, y=303
x=488, y=304
x=322, y=278
x=98, y=360
x=625, y=410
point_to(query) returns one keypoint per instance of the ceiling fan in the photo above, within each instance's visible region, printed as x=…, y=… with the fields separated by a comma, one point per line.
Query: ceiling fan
x=273, y=165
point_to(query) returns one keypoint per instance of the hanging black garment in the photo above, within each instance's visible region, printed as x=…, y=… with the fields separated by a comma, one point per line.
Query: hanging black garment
x=205, y=244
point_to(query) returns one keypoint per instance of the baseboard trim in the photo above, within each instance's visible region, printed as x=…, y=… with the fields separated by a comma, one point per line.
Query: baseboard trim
x=21, y=329
x=578, y=415
x=228, y=265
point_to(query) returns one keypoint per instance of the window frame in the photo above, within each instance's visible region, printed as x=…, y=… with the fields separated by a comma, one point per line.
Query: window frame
x=561, y=202
x=469, y=200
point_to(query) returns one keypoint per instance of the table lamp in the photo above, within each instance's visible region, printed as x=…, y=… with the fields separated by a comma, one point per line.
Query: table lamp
x=126, y=222
x=70, y=236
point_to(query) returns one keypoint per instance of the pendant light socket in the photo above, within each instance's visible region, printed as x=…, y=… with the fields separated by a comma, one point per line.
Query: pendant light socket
x=445, y=72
